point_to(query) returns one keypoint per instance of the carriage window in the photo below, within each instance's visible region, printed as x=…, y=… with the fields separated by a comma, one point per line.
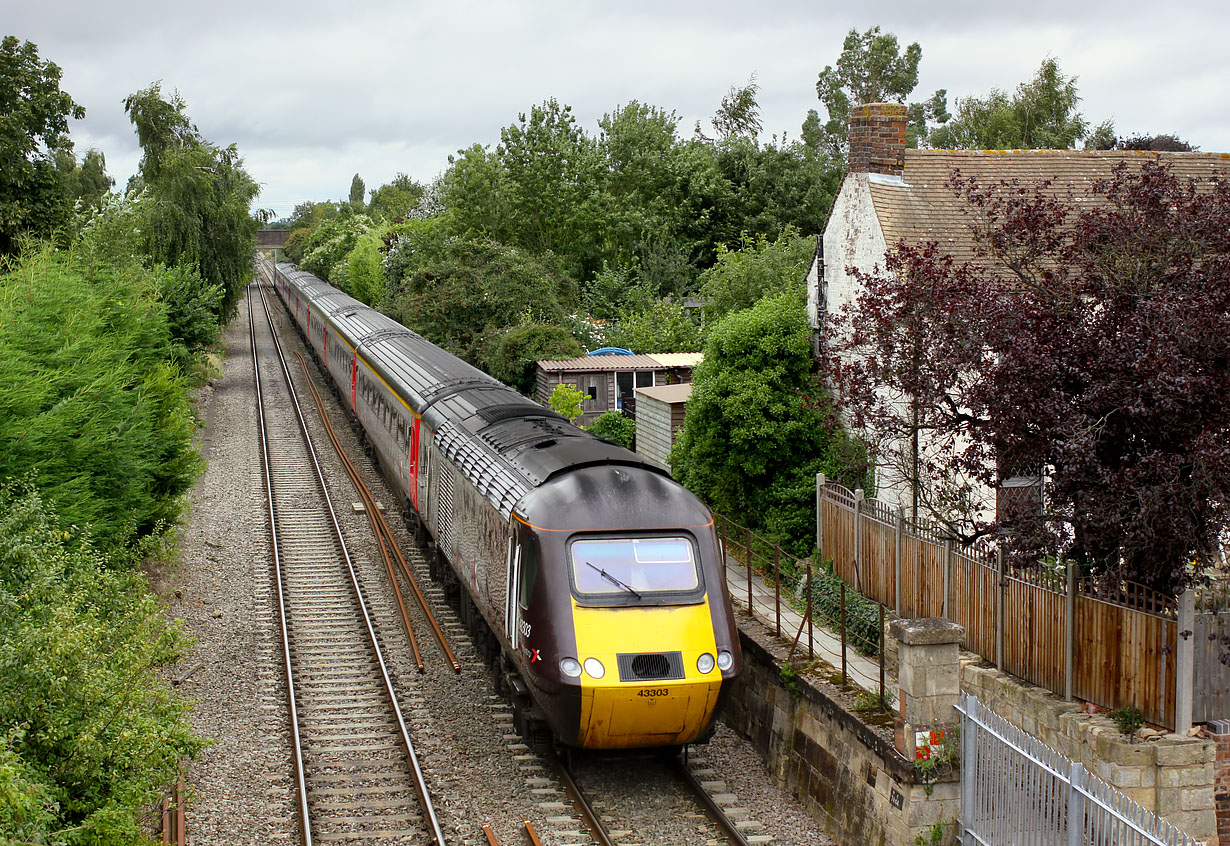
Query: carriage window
x=636, y=566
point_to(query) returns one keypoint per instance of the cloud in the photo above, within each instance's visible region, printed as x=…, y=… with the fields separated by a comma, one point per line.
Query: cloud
x=314, y=92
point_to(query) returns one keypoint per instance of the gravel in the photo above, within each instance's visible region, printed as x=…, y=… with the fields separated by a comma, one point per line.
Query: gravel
x=241, y=785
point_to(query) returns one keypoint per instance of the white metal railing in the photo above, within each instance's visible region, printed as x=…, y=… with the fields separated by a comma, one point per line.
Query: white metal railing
x=1017, y=791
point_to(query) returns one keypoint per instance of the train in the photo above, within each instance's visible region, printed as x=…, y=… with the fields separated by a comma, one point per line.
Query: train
x=590, y=577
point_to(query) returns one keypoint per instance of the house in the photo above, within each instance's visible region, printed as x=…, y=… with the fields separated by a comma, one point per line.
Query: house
x=612, y=381
x=659, y=417
x=892, y=195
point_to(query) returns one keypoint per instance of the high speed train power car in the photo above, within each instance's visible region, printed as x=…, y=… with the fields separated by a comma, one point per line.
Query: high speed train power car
x=598, y=576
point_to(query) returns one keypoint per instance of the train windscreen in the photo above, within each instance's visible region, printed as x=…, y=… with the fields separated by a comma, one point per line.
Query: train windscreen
x=634, y=566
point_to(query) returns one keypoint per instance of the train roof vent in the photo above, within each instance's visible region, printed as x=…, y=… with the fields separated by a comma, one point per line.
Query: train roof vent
x=650, y=666
x=547, y=444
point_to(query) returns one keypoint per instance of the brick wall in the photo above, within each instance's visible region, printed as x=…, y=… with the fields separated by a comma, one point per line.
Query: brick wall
x=1221, y=785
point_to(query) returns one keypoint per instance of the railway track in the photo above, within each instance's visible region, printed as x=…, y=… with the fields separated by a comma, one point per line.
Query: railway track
x=661, y=785
x=357, y=772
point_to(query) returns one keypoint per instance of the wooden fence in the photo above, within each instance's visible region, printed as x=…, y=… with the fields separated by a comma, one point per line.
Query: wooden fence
x=1027, y=623
x=1211, y=642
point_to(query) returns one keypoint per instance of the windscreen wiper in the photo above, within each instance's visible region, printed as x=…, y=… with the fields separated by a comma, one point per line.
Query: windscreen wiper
x=614, y=580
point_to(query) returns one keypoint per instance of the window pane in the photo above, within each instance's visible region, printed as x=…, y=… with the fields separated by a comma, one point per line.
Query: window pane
x=644, y=379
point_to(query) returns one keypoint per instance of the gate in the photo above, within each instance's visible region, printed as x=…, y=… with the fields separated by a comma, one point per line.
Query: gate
x=1017, y=791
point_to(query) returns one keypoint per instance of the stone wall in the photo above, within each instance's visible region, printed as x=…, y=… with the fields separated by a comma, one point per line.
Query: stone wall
x=1166, y=773
x=843, y=770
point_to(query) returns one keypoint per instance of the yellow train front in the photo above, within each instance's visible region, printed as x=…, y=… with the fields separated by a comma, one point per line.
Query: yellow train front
x=622, y=624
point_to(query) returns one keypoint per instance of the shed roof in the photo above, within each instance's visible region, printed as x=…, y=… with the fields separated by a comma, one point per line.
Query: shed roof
x=669, y=394
x=921, y=207
x=589, y=363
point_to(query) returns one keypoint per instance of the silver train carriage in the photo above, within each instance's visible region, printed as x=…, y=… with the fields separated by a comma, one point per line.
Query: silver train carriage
x=598, y=575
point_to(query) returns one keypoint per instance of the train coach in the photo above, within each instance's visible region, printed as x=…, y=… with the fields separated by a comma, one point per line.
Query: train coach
x=595, y=576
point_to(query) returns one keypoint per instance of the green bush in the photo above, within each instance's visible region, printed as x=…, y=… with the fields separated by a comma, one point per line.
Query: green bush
x=614, y=427
x=90, y=736
x=91, y=403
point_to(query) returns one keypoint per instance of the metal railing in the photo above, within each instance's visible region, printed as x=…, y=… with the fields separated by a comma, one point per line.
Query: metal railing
x=804, y=592
x=1016, y=791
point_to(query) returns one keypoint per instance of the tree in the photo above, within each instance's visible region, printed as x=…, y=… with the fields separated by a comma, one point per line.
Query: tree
x=664, y=327
x=1041, y=114
x=33, y=129
x=202, y=194
x=510, y=355
x=758, y=427
x=872, y=69
x=757, y=269
x=1157, y=143
x=1083, y=347
x=739, y=114
x=396, y=199
x=357, y=192
x=457, y=292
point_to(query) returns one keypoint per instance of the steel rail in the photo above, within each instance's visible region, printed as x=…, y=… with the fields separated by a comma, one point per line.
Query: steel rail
x=715, y=813
x=369, y=505
x=379, y=523
x=296, y=744
x=420, y=783
x=579, y=801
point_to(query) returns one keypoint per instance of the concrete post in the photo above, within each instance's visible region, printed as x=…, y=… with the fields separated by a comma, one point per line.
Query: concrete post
x=928, y=674
x=1185, y=662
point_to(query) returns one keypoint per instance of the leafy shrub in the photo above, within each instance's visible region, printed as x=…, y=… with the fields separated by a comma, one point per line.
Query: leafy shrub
x=614, y=427
x=89, y=735
x=566, y=400
x=510, y=355
x=92, y=404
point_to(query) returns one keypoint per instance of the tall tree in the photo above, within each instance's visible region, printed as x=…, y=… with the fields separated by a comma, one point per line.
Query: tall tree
x=357, y=192
x=873, y=69
x=34, y=116
x=396, y=199
x=1083, y=347
x=201, y=196
x=739, y=114
x=758, y=429
x=1041, y=114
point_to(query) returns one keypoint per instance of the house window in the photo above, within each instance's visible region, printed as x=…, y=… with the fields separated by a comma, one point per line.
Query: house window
x=593, y=392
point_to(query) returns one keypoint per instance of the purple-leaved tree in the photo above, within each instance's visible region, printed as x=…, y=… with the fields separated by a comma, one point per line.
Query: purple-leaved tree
x=1087, y=345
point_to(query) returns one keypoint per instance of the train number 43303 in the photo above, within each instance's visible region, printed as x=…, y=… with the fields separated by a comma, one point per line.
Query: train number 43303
x=655, y=691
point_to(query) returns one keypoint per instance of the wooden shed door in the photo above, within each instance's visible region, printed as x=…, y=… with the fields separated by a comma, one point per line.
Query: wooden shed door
x=594, y=386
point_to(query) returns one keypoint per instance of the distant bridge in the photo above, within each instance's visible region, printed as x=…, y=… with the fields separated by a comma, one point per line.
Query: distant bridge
x=268, y=239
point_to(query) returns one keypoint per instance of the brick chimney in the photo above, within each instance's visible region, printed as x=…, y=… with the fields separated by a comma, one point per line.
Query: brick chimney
x=877, y=138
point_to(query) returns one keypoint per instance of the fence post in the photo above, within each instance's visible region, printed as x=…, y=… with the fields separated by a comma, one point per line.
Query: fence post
x=969, y=761
x=750, y=609
x=858, y=539
x=897, y=530
x=820, y=482
x=1001, y=588
x=1076, y=805
x=1069, y=649
x=881, y=607
x=810, y=655
x=1184, y=665
x=947, y=577
x=777, y=587
x=844, y=680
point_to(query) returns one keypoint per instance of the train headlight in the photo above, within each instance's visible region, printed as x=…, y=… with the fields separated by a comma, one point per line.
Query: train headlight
x=594, y=667
x=570, y=667
x=705, y=664
x=725, y=660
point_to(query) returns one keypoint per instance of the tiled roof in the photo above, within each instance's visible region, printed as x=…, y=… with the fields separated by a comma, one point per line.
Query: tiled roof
x=657, y=361
x=921, y=206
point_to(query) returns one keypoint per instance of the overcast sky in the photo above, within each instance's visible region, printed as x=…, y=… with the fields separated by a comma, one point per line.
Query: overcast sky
x=314, y=91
